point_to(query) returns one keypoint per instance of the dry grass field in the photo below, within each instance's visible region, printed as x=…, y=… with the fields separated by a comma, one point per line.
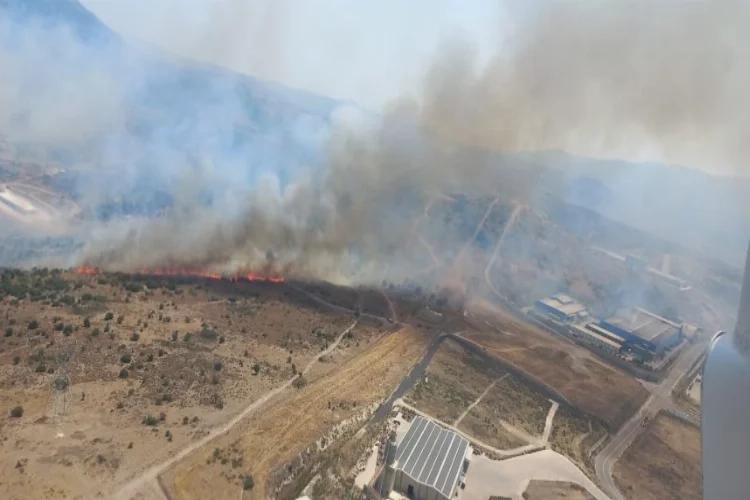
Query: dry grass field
x=117, y=373
x=574, y=435
x=454, y=379
x=663, y=463
x=273, y=437
x=587, y=383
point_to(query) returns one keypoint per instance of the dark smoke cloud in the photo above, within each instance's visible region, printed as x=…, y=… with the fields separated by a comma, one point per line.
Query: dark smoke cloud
x=266, y=178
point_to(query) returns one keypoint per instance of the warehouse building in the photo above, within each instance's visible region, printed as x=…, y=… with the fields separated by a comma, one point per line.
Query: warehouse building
x=429, y=463
x=645, y=333
x=562, y=308
x=595, y=335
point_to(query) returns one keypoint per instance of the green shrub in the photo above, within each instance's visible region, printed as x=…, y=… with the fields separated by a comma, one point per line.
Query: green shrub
x=209, y=334
x=33, y=324
x=123, y=373
x=17, y=412
x=248, y=483
x=126, y=358
x=150, y=420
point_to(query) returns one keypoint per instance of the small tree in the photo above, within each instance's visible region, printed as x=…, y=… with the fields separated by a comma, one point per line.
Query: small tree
x=126, y=358
x=17, y=412
x=109, y=316
x=248, y=483
x=68, y=330
x=86, y=322
x=217, y=365
x=150, y=420
x=33, y=324
x=124, y=373
x=8, y=331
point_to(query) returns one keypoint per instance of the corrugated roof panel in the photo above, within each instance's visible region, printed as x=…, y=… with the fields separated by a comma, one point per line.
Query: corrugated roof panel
x=429, y=463
x=452, y=468
x=435, y=472
x=432, y=455
x=419, y=449
x=410, y=439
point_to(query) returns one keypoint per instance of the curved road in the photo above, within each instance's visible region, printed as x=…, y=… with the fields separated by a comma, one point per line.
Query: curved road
x=660, y=399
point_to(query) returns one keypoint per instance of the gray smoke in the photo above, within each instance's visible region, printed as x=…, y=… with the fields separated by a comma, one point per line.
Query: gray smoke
x=319, y=189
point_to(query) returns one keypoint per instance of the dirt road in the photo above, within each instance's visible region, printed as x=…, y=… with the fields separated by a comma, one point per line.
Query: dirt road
x=496, y=252
x=133, y=487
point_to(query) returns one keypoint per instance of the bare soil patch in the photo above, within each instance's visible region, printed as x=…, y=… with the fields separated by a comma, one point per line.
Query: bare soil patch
x=556, y=490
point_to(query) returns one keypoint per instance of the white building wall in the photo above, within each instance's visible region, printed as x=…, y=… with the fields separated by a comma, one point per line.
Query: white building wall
x=421, y=491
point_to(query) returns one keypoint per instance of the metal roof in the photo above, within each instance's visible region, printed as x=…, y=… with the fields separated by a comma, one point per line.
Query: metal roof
x=644, y=324
x=567, y=308
x=432, y=455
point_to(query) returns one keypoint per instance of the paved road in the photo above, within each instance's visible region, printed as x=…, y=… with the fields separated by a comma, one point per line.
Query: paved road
x=660, y=399
x=411, y=378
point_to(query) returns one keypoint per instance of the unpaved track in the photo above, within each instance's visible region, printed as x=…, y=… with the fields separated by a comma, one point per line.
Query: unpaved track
x=496, y=253
x=149, y=476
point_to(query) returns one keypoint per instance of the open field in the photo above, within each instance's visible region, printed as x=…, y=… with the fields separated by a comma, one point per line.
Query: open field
x=574, y=436
x=587, y=383
x=488, y=404
x=273, y=437
x=454, y=379
x=115, y=373
x=555, y=490
x=482, y=423
x=663, y=463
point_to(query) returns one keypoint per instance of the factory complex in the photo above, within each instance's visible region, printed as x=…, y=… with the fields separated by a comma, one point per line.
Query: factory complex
x=640, y=333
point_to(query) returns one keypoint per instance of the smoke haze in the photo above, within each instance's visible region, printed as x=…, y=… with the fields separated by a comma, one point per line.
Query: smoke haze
x=253, y=175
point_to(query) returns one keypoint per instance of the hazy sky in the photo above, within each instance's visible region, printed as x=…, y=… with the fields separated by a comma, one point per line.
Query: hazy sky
x=659, y=81
x=366, y=52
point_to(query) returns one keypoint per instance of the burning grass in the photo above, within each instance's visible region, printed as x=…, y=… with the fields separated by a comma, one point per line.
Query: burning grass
x=191, y=272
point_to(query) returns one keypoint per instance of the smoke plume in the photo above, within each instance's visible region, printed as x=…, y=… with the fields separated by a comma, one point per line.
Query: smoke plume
x=256, y=176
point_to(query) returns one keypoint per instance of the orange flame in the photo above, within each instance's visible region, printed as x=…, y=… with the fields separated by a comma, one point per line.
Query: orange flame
x=194, y=272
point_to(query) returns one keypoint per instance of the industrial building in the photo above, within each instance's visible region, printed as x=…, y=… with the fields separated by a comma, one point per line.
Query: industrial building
x=593, y=334
x=645, y=333
x=428, y=464
x=562, y=308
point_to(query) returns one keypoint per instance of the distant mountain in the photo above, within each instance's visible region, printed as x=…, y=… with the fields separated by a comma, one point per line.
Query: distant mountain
x=148, y=118
x=53, y=13
x=708, y=213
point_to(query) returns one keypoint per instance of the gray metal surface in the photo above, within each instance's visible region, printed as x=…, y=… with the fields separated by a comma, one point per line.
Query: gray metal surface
x=725, y=412
x=432, y=455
